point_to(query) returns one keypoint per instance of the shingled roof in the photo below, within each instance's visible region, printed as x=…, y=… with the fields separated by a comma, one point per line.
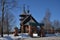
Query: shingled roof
x=28, y=18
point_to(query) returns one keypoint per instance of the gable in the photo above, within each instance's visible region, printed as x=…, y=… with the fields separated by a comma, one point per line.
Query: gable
x=31, y=22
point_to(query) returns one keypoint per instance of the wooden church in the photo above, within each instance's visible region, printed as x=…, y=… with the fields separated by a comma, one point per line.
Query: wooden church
x=28, y=24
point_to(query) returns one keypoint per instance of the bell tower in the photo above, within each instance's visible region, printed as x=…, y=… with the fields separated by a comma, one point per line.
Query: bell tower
x=24, y=14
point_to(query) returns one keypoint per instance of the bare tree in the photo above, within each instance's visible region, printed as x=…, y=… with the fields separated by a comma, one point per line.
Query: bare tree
x=56, y=24
x=4, y=5
x=9, y=22
x=46, y=20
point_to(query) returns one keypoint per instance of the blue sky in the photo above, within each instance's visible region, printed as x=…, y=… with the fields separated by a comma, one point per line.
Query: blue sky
x=38, y=9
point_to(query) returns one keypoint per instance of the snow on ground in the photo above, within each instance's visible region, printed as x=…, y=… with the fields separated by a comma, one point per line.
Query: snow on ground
x=12, y=37
x=44, y=38
x=26, y=36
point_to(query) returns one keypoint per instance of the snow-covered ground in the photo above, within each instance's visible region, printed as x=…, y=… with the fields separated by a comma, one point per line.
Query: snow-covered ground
x=26, y=36
x=53, y=35
x=12, y=37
